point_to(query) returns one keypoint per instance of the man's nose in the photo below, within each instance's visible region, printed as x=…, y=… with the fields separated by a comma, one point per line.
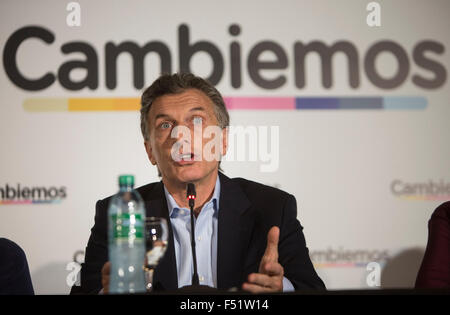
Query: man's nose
x=181, y=137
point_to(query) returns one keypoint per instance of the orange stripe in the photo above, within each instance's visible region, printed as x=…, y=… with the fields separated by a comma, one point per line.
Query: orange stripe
x=103, y=104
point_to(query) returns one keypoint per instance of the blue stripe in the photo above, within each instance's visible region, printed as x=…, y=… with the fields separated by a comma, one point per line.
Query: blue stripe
x=388, y=103
x=316, y=103
x=404, y=103
x=361, y=103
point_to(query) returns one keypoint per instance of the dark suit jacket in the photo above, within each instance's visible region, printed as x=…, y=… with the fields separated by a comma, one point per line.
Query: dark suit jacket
x=14, y=273
x=434, y=271
x=247, y=210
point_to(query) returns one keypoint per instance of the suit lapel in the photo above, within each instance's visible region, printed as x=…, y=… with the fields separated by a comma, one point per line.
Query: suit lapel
x=234, y=230
x=165, y=276
x=235, y=226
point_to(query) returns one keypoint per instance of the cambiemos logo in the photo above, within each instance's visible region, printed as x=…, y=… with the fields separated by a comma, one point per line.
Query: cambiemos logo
x=346, y=258
x=19, y=194
x=426, y=190
x=425, y=55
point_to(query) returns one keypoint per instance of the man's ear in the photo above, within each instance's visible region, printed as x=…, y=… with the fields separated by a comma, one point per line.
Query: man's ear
x=149, y=150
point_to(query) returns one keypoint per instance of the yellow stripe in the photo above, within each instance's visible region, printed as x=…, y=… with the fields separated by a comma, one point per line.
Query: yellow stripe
x=45, y=105
x=103, y=104
x=413, y=197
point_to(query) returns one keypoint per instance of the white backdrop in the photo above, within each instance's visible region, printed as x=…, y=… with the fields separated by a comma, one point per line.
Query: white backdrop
x=366, y=180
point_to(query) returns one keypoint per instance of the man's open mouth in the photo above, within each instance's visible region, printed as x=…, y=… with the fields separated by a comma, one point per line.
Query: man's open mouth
x=186, y=157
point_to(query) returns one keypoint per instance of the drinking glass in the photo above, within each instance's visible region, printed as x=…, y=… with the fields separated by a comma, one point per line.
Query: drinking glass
x=156, y=234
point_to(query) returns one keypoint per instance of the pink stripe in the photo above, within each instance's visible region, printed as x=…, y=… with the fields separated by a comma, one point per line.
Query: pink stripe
x=427, y=197
x=281, y=103
x=438, y=197
x=15, y=202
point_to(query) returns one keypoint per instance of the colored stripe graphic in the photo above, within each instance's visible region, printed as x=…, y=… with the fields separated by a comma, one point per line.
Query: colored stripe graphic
x=260, y=103
x=387, y=103
x=81, y=104
x=28, y=202
x=234, y=103
x=426, y=197
x=341, y=265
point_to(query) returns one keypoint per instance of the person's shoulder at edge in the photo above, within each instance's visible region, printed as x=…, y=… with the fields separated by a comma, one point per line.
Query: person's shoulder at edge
x=442, y=212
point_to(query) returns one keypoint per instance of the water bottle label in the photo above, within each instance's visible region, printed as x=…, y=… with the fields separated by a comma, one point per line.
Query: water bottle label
x=126, y=225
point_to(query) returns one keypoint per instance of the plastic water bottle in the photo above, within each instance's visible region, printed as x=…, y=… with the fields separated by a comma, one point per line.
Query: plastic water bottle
x=126, y=223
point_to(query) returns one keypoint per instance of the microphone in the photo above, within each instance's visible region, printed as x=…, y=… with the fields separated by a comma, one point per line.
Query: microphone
x=190, y=195
x=195, y=287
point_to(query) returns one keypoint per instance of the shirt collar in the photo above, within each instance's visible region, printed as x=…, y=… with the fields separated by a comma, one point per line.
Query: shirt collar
x=172, y=204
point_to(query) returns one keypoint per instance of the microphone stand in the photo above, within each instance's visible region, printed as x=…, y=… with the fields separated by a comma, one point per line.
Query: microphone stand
x=195, y=287
x=191, y=194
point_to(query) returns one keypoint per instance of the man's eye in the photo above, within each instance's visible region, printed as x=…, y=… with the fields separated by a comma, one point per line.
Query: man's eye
x=198, y=120
x=165, y=125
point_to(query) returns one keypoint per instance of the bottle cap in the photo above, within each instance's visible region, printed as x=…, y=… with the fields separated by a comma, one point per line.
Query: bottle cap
x=126, y=180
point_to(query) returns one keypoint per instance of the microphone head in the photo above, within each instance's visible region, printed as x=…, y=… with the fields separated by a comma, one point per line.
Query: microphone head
x=190, y=194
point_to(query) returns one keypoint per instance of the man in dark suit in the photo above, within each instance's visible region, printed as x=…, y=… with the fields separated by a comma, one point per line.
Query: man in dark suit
x=254, y=241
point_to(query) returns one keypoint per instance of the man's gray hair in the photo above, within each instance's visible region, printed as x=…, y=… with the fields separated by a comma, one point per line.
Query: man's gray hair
x=178, y=83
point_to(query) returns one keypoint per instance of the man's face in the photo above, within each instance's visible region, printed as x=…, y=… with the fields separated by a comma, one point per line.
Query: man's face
x=190, y=110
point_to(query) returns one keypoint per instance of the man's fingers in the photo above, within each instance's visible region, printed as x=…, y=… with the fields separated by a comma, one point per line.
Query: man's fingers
x=253, y=288
x=260, y=283
x=259, y=279
x=272, y=240
x=106, y=269
x=272, y=269
x=271, y=253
